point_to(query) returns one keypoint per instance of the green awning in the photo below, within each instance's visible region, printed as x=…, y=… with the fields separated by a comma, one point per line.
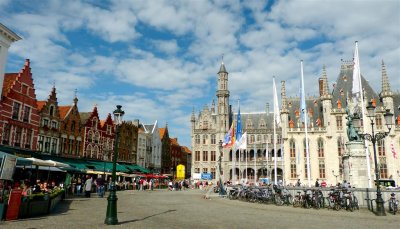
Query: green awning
x=20, y=160
x=105, y=166
x=137, y=168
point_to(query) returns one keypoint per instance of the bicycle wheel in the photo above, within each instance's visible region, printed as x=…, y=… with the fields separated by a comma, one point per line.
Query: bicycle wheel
x=337, y=206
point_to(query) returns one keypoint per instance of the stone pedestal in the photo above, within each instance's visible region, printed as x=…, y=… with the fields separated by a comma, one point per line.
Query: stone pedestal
x=355, y=165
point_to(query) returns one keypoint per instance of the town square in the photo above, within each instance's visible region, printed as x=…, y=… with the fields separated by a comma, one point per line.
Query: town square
x=199, y=113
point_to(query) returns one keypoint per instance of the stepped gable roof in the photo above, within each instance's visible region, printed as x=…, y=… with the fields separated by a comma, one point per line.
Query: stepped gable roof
x=63, y=110
x=344, y=85
x=84, y=116
x=9, y=79
x=313, y=104
x=40, y=105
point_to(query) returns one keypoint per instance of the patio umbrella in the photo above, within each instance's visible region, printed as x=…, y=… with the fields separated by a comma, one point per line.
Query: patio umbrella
x=40, y=162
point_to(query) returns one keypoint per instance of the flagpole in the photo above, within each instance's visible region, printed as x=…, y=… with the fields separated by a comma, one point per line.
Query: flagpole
x=266, y=156
x=304, y=111
x=275, y=163
x=255, y=164
x=283, y=164
x=357, y=68
x=247, y=155
x=233, y=165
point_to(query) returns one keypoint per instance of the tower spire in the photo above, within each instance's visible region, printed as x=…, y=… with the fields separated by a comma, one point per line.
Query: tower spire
x=324, y=85
x=385, y=82
x=283, y=95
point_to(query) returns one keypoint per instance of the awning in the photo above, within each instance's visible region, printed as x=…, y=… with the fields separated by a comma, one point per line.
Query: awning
x=137, y=168
x=58, y=164
x=20, y=160
x=40, y=162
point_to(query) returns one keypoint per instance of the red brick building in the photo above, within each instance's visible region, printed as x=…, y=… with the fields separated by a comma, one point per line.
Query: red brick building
x=19, y=117
x=49, y=129
x=91, y=133
x=107, y=138
x=70, y=131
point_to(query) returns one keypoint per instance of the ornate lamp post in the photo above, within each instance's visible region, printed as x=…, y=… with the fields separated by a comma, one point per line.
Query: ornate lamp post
x=375, y=137
x=111, y=217
x=221, y=185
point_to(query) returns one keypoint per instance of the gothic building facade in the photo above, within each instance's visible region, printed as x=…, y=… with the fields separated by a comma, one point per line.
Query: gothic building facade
x=210, y=127
x=326, y=134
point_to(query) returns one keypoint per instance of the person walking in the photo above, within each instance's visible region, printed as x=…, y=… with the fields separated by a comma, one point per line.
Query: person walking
x=100, y=186
x=88, y=186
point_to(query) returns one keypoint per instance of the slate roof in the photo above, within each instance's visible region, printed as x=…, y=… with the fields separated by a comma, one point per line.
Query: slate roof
x=344, y=85
x=255, y=118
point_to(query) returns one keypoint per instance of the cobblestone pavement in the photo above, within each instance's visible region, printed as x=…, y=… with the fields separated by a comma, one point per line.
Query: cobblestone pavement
x=188, y=209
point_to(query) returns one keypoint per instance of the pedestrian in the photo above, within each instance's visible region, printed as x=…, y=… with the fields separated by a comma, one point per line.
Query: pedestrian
x=298, y=184
x=88, y=186
x=316, y=183
x=100, y=186
x=78, y=186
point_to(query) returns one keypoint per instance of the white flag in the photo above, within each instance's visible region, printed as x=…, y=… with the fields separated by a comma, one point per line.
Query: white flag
x=277, y=114
x=357, y=88
x=242, y=143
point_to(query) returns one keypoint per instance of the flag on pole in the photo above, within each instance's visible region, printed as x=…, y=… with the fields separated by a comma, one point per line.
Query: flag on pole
x=276, y=104
x=394, y=153
x=238, y=125
x=242, y=143
x=303, y=107
x=357, y=88
x=297, y=154
x=229, y=138
x=238, y=135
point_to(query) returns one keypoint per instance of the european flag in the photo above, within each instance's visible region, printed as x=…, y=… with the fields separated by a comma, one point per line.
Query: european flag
x=238, y=126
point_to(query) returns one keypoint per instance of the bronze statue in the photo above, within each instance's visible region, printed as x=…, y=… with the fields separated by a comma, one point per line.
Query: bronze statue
x=351, y=131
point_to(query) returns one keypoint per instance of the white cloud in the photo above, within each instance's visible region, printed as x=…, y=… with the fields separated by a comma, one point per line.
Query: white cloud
x=169, y=47
x=114, y=56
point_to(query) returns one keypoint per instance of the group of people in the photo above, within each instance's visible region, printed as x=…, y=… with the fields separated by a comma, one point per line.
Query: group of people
x=177, y=185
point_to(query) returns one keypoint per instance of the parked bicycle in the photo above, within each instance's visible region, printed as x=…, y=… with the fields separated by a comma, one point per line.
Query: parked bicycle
x=393, y=204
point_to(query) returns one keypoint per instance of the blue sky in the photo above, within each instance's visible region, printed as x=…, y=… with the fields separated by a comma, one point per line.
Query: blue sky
x=159, y=59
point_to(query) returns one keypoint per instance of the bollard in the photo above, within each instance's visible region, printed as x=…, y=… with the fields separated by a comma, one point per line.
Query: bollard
x=368, y=204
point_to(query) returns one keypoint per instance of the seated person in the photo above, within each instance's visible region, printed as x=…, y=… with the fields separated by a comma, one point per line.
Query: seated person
x=36, y=187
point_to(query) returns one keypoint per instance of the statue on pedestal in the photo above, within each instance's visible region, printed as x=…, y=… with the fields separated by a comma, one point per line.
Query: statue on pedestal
x=351, y=131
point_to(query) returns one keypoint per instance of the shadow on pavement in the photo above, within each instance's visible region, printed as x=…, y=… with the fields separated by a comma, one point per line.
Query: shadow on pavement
x=134, y=220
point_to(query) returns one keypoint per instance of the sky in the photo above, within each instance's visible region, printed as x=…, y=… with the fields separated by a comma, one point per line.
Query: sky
x=159, y=59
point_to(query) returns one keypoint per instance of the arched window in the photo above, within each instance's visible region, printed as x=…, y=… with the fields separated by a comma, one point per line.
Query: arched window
x=262, y=124
x=292, y=147
x=249, y=124
x=205, y=139
x=258, y=138
x=197, y=139
x=320, y=147
x=88, y=151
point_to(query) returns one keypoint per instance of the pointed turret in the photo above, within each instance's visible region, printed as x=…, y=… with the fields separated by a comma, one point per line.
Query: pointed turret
x=75, y=99
x=222, y=68
x=284, y=98
x=324, y=86
x=213, y=107
x=385, y=83
x=386, y=94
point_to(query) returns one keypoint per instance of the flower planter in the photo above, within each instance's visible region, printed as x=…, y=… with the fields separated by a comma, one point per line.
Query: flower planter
x=38, y=207
x=54, y=202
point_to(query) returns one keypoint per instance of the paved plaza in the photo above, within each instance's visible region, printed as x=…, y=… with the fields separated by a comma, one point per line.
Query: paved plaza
x=188, y=209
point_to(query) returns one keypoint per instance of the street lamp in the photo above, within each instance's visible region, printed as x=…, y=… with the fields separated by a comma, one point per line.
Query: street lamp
x=336, y=176
x=111, y=217
x=375, y=137
x=221, y=185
